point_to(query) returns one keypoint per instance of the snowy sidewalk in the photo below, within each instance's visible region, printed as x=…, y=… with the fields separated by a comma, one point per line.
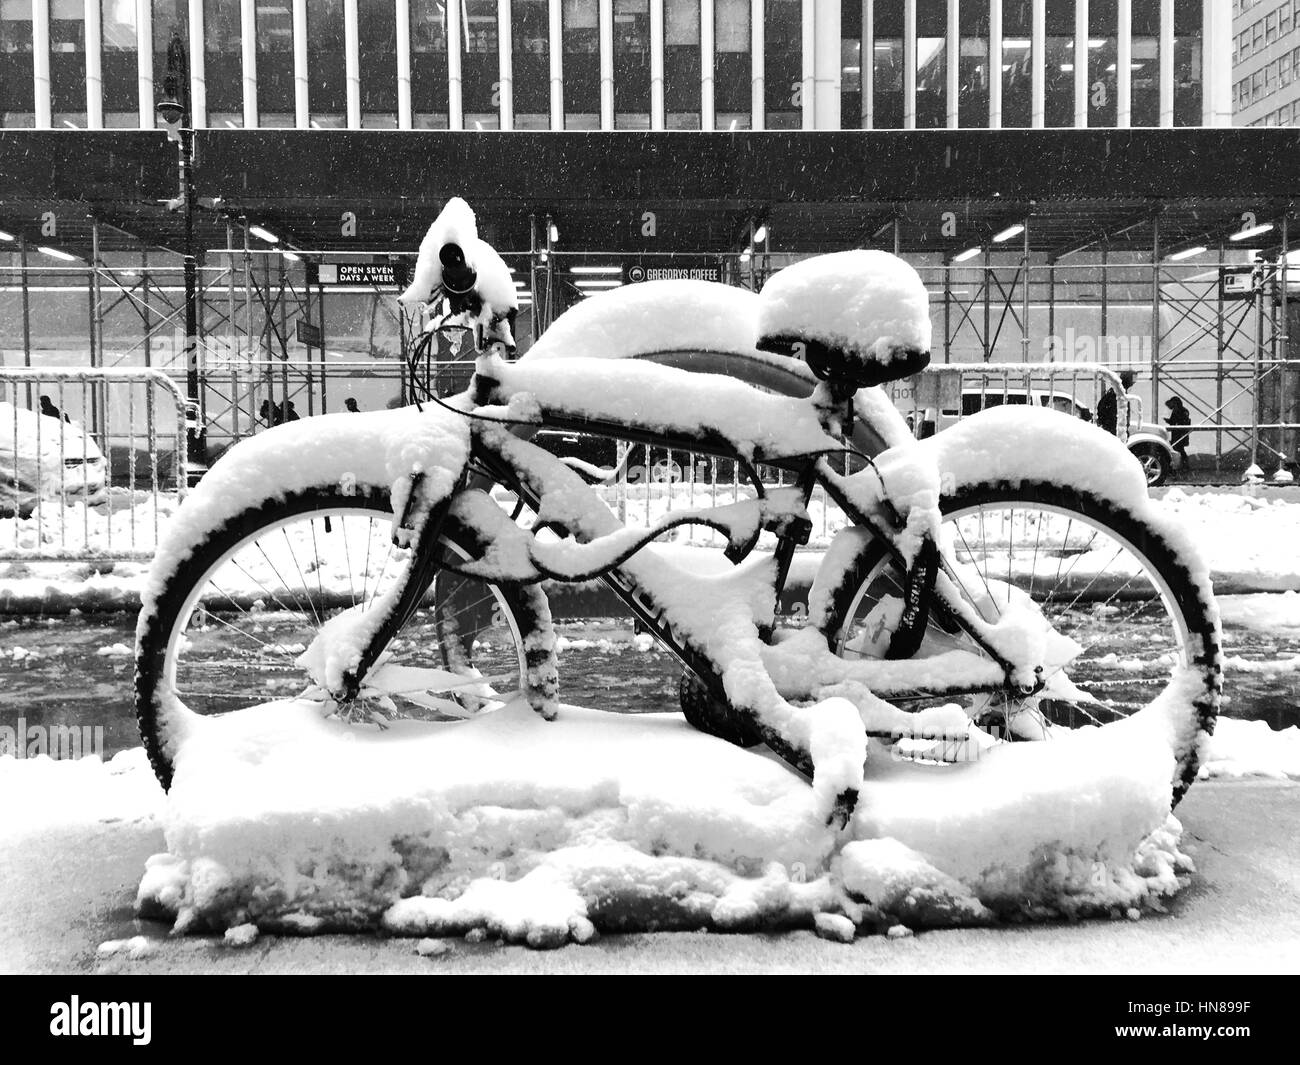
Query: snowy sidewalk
x=73, y=860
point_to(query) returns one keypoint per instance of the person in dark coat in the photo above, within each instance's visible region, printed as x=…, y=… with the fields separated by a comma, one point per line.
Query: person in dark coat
x=1179, y=416
x=1108, y=405
x=51, y=411
x=351, y=404
x=288, y=413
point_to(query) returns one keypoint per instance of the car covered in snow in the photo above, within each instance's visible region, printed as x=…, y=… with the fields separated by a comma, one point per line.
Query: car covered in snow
x=42, y=457
x=1148, y=442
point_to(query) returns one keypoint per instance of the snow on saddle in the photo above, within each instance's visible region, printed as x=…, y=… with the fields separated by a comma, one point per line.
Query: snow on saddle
x=858, y=316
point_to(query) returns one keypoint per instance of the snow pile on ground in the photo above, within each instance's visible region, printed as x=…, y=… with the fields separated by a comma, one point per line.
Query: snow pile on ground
x=544, y=832
x=1249, y=542
x=42, y=793
x=1252, y=749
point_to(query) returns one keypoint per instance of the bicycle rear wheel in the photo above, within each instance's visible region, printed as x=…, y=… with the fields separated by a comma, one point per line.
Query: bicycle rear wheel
x=1101, y=578
x=231, y=623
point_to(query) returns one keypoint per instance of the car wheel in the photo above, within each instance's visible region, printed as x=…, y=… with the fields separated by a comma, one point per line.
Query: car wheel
x=1155, y=463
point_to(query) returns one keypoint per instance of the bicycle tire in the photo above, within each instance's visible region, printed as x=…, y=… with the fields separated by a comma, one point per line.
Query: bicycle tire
x=1198, y=614
x=156, y=717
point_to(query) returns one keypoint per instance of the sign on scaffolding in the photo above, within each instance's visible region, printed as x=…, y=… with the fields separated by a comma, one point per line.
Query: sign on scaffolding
x=1240, y=282
x=378, y=275
x=673, y=268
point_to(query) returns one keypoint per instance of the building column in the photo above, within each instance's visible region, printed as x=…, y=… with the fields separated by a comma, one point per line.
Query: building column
x=868, y=71
x=197, y=63
x=555, y=12
x=41, y=63
x=248, y=38
x=995, y=64
x=809, y=41
x=1124, y=65
x=826, y=70
x=1038, y=59
x=144, y=64
x=301, y=97
x=403, y=64
x=952, y=45
x=505, y=65
x=1216, y=63
x=656, y=64
x=94, y=66
x=1081, y=64
x=909, y=64
x=758, y=66
x=1167, y=63
x=352, y=62
x=706, y=62
x=455, y=103
x=606, y=64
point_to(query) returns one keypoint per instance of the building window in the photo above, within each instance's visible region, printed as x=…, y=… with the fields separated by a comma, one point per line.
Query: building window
x=851, y=64
x=973, y=66
x=327, y=64
x=1188, y=47
x=931, y=64
x=581, y=33
x=480, y=72
x=887, y=66
x=16, y=94
x=377, y=63
x=429, y=64
x=223, y=65
x=733, y=76
x=682, y=64
x=1017, y=64
x=1144, y=83
x=68, y=63
x=275, y=91
x=631, y=64
x=783, y=64
x=1103, y=57
x=531, y=64
x=1058, y=66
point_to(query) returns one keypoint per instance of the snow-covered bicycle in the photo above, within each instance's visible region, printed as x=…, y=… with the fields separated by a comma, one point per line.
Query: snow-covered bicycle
x=1006, y=579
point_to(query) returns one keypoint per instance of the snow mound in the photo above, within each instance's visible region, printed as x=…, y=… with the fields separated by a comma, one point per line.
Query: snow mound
x=869, y=303
x=1252, y=749
x=543, y=833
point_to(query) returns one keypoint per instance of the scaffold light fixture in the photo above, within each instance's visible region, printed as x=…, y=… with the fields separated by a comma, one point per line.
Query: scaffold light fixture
x=1186, y=253
x=262, y=233
x=1008, y=233
x=7, y=237
x=969, y=253
x=56, y=253
x=555, y=233
x=760, y=234
x=1253, y=231
x=595, y=269
x=293, y=257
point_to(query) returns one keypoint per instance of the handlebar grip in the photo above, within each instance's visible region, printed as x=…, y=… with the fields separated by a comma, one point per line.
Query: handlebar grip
x=458, y=277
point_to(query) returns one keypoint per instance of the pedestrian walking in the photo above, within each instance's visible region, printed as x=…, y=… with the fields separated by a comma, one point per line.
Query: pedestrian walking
x=351, y=404
x=1179, y=416
x=1108, y=405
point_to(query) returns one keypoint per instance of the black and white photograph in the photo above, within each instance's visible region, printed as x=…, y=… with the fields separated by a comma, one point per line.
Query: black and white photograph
x=665, y=487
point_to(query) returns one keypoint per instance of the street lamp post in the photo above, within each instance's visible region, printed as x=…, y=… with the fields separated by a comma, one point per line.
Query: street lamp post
x=174, y=110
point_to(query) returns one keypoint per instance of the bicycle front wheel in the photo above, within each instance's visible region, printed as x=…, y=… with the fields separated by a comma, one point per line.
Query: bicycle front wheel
x=231, y=623
x=1101, y=578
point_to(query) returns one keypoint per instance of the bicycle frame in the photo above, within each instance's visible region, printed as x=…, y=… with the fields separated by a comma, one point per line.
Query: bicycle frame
x=809, y=471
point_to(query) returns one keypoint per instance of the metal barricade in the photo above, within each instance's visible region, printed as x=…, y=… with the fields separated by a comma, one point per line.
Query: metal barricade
x=91, y=462
x=655, y=480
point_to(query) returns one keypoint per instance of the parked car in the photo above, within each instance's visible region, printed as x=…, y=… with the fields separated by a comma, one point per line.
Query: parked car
x=45, y=457
x=1148, y=441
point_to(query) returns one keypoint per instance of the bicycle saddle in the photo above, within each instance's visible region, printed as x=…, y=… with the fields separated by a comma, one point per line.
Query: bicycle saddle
x=860, y=317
